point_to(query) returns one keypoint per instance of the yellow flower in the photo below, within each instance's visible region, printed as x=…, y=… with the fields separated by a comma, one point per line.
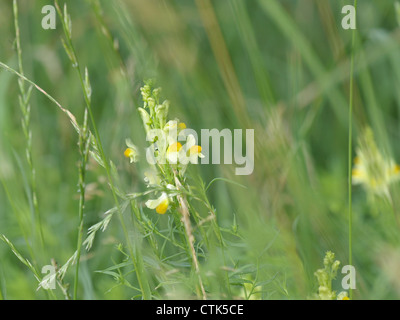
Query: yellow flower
x=128, y=152
x=174, y=125
x=131, y=152
x=371, y=169
x=161, y=204
x=175, y=147
x=190, y=152
x=343, y=296
x=193, y=151
x=174, y=130
x=173, y=152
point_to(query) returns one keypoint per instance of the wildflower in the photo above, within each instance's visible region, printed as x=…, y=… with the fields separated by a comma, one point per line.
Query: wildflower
x=174, y=124
x=343, y=296
x=171, y=148
x=325, y=277
x=162, y=203
x=371, y=169
x=173, y=152
x=189, y=153
x=175, y=147
x=131, y=152
x=174, y=130
x=193, y=151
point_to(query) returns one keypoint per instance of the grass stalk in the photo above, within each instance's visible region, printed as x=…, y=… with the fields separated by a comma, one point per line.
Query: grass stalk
x=217, y=228
x=84, y=142
x=25, y=107
x=350, y=145
x=189, y=235
x=141, y=276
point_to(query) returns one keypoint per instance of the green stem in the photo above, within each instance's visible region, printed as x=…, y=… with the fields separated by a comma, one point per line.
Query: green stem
x=218, y=232
x=185, y=218
x=350, y=181
x=79, y=246
x=83, y=148
x=140, y=272
x=26, y=115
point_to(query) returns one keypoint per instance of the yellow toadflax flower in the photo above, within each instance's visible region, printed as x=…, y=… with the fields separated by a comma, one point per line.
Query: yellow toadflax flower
x=174, y=125
x=131, y=152
x=171, y=149
x=190, y=152
x=343, y=296
x=193, y=151
x=173, y=152
x=174, y=129
x=162, y=203
x=371, y=169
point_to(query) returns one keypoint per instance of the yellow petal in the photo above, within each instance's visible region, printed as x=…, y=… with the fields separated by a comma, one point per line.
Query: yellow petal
x=194, y=150
x=175, y=147
x=128, y=152
x=162, y=207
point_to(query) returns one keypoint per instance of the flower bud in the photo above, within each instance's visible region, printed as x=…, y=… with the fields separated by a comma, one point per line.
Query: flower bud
x=162, y=113
x=145, y=118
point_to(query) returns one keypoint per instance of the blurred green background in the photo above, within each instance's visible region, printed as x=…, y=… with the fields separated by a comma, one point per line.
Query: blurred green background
x=280, y=67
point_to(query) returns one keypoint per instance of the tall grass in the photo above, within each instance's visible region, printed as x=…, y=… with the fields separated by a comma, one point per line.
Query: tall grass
x=25, y=107
x=350, y=152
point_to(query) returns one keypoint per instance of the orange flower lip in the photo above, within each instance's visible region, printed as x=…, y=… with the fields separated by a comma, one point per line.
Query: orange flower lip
x=194, y=150
x=128, y=152
x=162, y=207
x=175, y=147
